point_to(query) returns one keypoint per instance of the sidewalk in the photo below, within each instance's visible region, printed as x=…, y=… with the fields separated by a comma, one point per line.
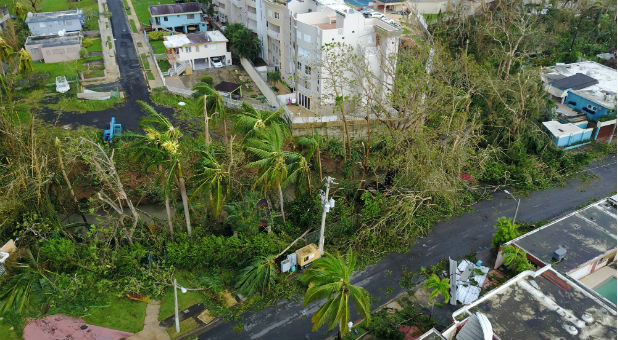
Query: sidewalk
x=142, y=47
x=112, y=73
x=152, y=330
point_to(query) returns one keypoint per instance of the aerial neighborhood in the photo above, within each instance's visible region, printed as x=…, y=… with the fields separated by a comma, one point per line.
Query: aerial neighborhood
x=325, y=169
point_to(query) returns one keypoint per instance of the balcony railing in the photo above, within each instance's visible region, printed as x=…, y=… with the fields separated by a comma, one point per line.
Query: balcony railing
x=273, y=33
x=251, y=15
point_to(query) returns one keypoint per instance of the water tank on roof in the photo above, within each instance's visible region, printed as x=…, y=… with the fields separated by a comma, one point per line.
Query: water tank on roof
x=559, y=254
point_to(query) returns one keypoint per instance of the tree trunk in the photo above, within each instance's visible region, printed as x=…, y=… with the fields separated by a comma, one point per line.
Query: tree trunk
x=185, y=200
x=281, y=202
x=320, y=163
x=66, y=179
x=206, y=119
x=168, y=211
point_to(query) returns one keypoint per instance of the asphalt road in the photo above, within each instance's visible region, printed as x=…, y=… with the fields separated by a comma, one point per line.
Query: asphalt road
x=454, y=238
x=131, y=80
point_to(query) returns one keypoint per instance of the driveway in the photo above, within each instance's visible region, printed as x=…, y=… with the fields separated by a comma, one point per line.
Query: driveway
x=131, y=79
x=456, y=237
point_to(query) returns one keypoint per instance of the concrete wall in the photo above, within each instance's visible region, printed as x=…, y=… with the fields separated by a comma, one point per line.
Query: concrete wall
x=216, y=49
x=54, y=54
x=579, y=103
x=261, y=84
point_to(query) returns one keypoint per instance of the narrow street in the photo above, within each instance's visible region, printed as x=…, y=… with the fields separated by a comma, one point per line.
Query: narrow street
x=131, y=80
x=456, y=237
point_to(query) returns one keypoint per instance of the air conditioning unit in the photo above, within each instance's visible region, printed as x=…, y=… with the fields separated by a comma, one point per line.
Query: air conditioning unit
x=559, y=254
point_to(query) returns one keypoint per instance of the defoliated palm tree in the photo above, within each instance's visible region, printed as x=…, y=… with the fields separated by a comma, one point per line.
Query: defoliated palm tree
x=251, y=122
x=329, y=277
x=215, y=179
x=438, y=287
x=312, y=145
x=212, y=101
x=258, y=276
x=25, y=63
x=161, y=133
x=272, y=162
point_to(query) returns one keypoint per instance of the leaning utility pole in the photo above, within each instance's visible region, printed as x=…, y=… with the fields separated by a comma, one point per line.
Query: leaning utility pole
x=327, y=204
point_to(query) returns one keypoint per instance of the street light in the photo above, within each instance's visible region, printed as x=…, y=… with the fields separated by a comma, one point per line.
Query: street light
x=517, y=200
x=183, y=290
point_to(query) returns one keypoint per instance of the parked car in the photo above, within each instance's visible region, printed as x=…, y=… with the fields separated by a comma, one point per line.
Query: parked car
x=216, y=62
x=402, y=13
x=377, y=15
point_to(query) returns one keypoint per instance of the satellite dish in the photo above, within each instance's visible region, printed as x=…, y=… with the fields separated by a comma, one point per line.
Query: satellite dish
x=61, y=33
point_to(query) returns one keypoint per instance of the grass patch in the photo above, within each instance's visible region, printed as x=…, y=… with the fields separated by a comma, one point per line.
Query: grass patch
x=133, y=26
x=157, y=46
x=164, y=65
x=97, y=46
x=90, y=8
x=122, y=314
x=162, y=97
x=185, y=326
x=7, y=332
x=145, y=62
x=74, y=104
x=141, y=9
x=406, y=31
x=68, y=68
x=149, y=75
x=185, y=300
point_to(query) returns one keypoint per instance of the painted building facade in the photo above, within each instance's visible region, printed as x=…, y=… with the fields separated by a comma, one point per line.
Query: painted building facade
x=197, y=50
x=185, y=17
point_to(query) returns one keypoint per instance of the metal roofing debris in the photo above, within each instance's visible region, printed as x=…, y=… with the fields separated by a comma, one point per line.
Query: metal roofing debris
x=187, y=7
x=469, y=281
x=577, y=81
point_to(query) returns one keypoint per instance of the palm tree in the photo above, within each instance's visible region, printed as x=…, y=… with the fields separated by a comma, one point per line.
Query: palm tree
x=258, y=276
x=312, y=145
x=272, y=162
x=516, y=259
x=329, y=277
x=438, y=287
x=297, y=170
x=162, y=134
x=25, y=63
x=213, y=101
x=251, y=121
x=214, y=177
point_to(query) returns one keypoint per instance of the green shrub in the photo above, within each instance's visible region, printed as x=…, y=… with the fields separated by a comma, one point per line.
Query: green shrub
x=207, y=79
x=59, y=252
x=157, y=35
x=87, y=42
x=83, y=53
x=273, y=76
x=505, y=231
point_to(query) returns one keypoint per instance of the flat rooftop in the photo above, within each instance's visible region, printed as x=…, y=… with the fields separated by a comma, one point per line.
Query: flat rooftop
x=55, y=40
x=605, y=76
x=562, y=130
x=187, y=7
x=53, y=16
x=586, y=234
x=544, y=305
x=178, y=40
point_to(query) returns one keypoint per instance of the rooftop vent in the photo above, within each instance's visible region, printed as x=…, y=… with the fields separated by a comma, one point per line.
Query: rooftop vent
x=588, y=318
x=559, y=254
x=570, y=329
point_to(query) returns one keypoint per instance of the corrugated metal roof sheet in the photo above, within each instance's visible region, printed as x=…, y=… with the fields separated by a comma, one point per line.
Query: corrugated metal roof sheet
x=187, y=7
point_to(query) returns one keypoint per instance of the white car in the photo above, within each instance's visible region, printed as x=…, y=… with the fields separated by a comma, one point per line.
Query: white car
x=216, y=62
x=377, y=15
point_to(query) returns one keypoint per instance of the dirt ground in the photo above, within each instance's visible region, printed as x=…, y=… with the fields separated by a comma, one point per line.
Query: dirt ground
x=232, y=74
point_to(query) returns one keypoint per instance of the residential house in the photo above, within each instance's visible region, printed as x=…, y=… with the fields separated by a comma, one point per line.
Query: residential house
x=577, y=245
x=186, y=17
x=537, y=305
x=53, y=49
x=50, y=23
x=4, y=16
x=569, y=135
x=587, y=87
x=196, y=51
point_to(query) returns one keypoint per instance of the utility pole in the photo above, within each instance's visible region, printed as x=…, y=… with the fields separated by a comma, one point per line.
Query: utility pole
x=327, y=204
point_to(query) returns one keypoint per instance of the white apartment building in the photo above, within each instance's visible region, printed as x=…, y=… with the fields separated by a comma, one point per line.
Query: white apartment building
x=293, y=34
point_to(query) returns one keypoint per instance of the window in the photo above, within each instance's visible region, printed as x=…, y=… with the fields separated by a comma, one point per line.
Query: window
x=213, y=46
x=298, y=35
x=276, y=15
x=307, y=69
x=188, y=49
x=164, y=18
x=197, y=48
x=307, y=38
x=190, y=16
x=299, y=66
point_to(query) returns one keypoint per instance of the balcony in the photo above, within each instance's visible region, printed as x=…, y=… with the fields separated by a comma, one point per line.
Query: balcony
x=272, y=33
x=252, y=16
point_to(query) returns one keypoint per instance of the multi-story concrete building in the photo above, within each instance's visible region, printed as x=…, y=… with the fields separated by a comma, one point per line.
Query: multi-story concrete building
x=293, y=35
x=197, y=51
